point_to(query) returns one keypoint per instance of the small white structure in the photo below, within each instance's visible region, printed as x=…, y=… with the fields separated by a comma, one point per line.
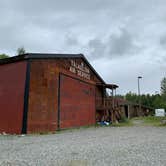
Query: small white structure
x=160, y=112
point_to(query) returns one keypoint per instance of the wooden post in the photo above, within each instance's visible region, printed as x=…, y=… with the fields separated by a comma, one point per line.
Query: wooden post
x=113, y=111
x=128, y=107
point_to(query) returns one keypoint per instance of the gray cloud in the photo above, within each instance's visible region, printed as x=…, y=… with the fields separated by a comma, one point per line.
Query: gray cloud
x=71, y=40
x=115, y=45
x=93, y=28
x=97, y=48
x=163, y=41
x=37, y=6
x=122, y=43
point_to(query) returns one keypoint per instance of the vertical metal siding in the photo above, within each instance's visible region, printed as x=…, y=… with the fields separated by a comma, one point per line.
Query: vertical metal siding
x=42, y=112
x=12, y=86
x=77, y=103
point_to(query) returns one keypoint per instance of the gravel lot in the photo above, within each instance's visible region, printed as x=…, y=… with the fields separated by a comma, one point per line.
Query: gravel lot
x=118, y=146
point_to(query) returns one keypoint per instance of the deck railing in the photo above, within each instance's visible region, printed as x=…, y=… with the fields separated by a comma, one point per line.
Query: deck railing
x=104, y=103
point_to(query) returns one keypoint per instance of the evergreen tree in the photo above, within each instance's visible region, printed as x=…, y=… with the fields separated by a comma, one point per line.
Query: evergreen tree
x=21, y=51
x=163, y=86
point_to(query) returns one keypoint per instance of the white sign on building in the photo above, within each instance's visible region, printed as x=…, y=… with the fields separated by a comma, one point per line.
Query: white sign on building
x=80, y=69
x=159, y=112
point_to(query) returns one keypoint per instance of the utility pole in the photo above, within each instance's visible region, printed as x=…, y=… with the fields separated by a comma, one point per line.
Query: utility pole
x=139, y=96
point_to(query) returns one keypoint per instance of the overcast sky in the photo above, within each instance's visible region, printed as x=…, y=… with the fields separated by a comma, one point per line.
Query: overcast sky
x=122, y=39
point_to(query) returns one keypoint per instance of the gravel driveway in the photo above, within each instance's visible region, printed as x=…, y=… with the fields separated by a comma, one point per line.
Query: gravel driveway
x=118, y=146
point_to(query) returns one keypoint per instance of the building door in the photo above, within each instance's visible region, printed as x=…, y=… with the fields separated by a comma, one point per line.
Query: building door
x=126, y=111
x=77, y=103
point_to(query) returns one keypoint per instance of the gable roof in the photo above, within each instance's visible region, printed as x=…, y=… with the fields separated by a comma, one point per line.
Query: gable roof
x=28, y=56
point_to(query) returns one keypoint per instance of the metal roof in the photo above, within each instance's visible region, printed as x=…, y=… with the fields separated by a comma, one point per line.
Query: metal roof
x=48, y=56
x=38, y=56
x=109, y=86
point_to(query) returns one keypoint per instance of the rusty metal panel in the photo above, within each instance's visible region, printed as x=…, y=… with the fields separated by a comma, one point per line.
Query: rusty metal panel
x=77, y=103
x=12, y=86
x=42, y=111
x=78, y=68
x=43, y=96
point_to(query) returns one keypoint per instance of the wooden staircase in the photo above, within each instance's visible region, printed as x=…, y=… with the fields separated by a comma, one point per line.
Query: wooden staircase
x=110, y=105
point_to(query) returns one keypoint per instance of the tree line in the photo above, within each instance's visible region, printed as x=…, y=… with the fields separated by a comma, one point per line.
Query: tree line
x=153, y=101
x=20, y=51
x=150, y=100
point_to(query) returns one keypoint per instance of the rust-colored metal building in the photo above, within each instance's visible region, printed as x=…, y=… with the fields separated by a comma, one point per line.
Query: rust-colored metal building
x=48, y=92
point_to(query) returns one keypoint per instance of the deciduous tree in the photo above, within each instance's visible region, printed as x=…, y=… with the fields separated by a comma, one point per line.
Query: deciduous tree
x=2, y=56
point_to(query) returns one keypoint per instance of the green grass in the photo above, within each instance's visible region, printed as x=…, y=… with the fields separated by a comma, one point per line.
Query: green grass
x=151, y=120
x=123, y=123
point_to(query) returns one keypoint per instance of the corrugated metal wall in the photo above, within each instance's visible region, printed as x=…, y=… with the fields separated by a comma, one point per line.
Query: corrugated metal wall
x=43, y=97
x=12, y=87
x=42, y=110
x=77, y=103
